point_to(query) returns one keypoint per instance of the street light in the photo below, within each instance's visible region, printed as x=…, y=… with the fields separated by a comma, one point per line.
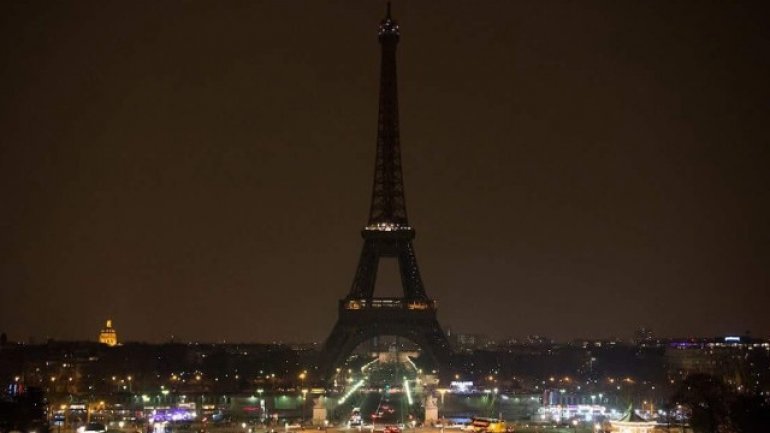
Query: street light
x=304, y=399
x=442, y=391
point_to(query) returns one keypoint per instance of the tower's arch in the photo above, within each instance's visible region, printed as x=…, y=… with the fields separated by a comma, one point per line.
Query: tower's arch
x=352, y=330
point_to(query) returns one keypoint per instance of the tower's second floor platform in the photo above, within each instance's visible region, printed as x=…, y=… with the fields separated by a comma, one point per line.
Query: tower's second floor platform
x=387, y=308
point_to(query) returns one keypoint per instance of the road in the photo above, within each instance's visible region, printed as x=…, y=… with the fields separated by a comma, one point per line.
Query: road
x=382, y=407
x=382, y=399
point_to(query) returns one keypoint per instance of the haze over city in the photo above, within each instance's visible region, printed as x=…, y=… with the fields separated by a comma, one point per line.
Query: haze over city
x=203, y=169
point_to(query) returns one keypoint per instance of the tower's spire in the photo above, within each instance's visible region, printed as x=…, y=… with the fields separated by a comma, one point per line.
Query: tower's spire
x=388, y=208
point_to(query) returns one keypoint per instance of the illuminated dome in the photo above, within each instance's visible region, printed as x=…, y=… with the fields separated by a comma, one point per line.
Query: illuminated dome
x=108, y=335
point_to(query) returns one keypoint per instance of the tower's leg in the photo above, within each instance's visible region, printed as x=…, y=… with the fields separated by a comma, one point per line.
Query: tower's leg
x=366, y=273
x=410, y=273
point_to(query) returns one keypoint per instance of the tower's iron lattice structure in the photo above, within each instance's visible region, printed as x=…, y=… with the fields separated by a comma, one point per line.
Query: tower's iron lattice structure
x=387, y=234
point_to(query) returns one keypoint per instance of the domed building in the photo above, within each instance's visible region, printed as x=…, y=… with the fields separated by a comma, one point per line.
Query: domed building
x=108, y=335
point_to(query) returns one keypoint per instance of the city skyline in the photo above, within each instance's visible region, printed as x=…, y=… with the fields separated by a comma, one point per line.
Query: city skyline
x=203, y=170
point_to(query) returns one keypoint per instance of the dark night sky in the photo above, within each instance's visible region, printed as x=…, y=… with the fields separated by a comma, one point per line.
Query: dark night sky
x=203, y=169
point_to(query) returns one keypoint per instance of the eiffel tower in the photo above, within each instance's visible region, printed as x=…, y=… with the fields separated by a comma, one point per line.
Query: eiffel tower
x=363, y=316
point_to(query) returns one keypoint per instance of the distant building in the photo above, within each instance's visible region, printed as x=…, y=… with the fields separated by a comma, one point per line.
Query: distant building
x=471, y=342
x=108, y=335
x=644, y=336
x=632, y=423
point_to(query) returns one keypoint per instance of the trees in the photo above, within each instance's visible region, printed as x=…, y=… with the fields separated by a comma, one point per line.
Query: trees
x=749, y=414
x=715, y=408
